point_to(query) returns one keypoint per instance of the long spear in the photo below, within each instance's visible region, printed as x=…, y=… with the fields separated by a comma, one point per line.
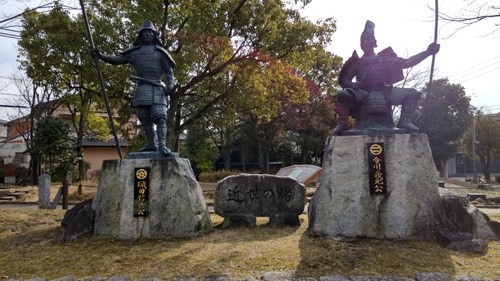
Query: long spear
x=101, y=80
x=436, y=14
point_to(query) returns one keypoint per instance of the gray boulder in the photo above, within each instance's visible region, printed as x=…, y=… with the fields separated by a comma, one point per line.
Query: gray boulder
x=174, y=207
x=457, y=215
x=470, y=278
x=333, y=278
x=343, y=205
x=432, y=276
x=462, y=226
x=414, y=207
x=78, y=222
x=363, y=278
x=242, y=198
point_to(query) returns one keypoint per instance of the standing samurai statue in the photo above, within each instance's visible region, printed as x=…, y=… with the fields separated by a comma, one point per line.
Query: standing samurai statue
x=150, y=62
x=369, y=98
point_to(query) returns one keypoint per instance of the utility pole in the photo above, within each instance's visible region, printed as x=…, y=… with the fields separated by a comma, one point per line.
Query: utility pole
x=474, y=148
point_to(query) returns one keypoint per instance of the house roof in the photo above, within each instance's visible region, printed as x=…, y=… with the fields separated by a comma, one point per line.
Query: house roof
x=98, y=143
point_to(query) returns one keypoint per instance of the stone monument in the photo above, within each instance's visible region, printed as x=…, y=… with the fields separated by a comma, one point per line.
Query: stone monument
x=149, y=198
x=240, y=199
x=386, y=187
x=399, y=200
x=44, y=183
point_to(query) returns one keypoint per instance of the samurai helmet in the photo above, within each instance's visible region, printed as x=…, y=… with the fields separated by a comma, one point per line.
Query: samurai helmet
x=368, y=35
x=147, y=25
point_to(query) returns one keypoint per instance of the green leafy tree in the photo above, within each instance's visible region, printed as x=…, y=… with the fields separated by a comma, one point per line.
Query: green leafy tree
x=201, y=149
x=445, y=119
x=215, y=43
x=487, y=145
x=64, y=69
x=54, y=146
x=212, y=41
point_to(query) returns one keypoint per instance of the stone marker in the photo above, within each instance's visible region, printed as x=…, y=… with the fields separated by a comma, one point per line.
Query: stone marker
x=242, y=198
x=175, y=206
x=44, y=191
x=343, y=206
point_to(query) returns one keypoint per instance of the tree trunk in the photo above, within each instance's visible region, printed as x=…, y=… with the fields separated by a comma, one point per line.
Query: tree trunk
x=268, y=152
x=261, y=157
x=485, y=165
x=226, y=155
x=79, y=150
x=173, y=124
x=34, y=169
x=243, y=158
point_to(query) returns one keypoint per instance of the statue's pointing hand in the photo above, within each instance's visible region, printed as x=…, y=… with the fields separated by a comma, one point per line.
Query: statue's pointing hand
x=95, y=53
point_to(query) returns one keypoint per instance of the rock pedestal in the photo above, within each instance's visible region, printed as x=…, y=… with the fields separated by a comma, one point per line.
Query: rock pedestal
x=174, y=205
x=343, y=205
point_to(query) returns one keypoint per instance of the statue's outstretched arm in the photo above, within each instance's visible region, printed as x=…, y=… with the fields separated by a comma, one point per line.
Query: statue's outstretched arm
x=121, y=59
x=432, y=49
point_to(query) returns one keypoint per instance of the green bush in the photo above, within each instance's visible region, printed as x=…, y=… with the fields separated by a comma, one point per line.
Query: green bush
x=22, y=176
x=216, y=176
x=497, y=178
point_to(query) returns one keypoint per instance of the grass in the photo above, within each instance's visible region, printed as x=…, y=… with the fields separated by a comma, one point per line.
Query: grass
x=28, y=249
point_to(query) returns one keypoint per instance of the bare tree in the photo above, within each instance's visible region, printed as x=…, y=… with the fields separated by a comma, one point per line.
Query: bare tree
x=40, y=104
x=474, y=11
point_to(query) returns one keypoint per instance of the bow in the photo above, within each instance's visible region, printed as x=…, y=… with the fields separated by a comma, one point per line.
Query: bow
x=436, y=14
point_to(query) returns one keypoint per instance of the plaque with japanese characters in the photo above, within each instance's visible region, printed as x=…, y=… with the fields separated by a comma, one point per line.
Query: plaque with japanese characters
x=376, y=168
x=141, y=192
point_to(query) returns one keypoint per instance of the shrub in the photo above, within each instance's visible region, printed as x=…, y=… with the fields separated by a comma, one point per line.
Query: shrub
x=22, y=176
x=95, y=174
x=497, y=178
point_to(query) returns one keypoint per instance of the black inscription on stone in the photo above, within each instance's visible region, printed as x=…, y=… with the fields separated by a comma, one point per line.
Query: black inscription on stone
x=255, y=193
x=285, y=193
x=141, y=192
x=376, y=168
x=234, y=195
x=268, y=193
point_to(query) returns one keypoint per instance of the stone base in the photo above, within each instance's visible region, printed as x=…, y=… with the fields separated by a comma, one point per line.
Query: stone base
x=176, y=207
x=151, y=155
x=374, y=131
x=343, y=206
x=282, y=220
x=239, y=220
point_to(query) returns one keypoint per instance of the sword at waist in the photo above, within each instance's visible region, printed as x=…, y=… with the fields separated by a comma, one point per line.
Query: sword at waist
x=148, y=81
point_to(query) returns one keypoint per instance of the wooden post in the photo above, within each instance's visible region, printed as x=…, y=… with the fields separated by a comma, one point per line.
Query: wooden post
x=65, y=194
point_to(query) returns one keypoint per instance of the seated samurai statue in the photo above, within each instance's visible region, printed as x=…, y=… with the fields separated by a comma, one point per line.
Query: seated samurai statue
x=370, y=97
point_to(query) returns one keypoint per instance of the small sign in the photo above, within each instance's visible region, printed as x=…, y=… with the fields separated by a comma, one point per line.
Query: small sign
x=141, y=192
x=376, y=168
